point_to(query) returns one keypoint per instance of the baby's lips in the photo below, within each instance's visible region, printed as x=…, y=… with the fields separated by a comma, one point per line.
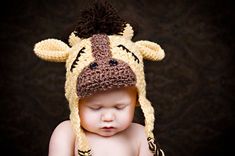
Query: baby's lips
x=108, y=127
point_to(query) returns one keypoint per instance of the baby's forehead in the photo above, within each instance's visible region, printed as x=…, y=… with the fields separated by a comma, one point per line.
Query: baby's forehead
x=114, y=96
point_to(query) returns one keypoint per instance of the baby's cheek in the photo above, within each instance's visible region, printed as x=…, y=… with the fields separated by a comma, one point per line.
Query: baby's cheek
x=126, y=117
x=89, y=119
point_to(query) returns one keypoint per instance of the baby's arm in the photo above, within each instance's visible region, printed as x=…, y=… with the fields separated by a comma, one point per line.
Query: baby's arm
x=62, y=140
x=144, y=148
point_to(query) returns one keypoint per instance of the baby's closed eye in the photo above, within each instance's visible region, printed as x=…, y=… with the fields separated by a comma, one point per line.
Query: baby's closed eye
x=117, y=107
x=120, y=106
x=95, y=107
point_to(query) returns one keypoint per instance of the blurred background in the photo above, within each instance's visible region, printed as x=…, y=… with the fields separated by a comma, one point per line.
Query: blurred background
x=192, y=89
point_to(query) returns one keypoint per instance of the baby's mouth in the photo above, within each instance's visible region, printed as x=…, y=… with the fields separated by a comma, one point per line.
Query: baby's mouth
x=108, y=128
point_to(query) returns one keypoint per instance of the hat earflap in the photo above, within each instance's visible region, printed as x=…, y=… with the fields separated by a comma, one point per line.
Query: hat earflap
x=83, y=145
x=149, y=125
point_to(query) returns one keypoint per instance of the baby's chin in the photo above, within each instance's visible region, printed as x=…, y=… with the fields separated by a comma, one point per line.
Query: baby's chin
x=107, y=133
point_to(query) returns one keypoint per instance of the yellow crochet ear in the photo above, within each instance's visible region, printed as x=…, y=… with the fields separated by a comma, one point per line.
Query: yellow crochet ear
x=150, y=50
x=52, y=50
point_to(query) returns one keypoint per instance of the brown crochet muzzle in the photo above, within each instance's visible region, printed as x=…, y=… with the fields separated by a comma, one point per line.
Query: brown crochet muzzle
x=105, y=72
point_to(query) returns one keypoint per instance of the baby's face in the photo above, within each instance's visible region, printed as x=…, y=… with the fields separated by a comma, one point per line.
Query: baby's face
x=107, y=113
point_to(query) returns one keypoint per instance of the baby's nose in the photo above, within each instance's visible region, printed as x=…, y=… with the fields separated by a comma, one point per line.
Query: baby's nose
x=107, y=117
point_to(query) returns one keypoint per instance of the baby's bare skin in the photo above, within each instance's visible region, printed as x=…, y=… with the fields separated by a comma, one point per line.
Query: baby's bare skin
x=131, y=142
x=106, y=118
x=125, y=143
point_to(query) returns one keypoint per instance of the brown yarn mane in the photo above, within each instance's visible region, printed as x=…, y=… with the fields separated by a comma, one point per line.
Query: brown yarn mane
x=100, y=18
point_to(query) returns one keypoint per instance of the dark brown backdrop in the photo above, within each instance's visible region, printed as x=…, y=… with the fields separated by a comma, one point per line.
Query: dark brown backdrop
x=192, y=88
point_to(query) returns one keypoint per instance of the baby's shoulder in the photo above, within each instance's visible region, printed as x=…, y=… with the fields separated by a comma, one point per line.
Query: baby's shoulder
x=63, y=131
x=63, y=127
x=137, y=132
x=136, y=128
x=62, y=138
x=137, y=125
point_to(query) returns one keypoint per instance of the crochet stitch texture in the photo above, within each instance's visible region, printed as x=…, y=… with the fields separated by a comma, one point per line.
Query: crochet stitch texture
x=102, y=61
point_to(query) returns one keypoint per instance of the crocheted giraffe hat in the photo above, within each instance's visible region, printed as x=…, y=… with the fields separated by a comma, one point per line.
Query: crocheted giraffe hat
x=101, y=56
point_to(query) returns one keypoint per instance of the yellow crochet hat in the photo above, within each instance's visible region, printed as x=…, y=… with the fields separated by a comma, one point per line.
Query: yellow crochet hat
x=102, y=56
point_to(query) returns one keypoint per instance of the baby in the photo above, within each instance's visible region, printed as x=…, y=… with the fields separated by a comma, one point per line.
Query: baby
x=106, y=118
x=104, y=83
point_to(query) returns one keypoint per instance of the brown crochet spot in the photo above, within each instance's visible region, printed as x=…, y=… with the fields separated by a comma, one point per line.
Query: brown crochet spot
x=104, y=77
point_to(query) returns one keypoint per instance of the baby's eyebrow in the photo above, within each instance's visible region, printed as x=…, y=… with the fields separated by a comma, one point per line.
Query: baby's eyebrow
x=123, y=101
x=94, y=104
x=121, y=104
